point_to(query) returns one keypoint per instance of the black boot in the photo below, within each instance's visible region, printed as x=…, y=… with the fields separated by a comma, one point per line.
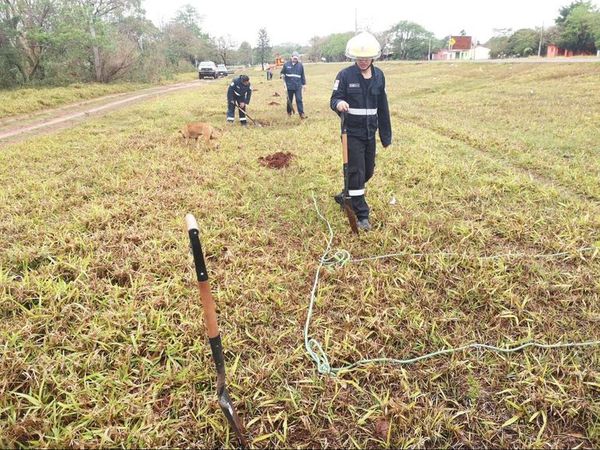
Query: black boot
x=363, y=224
x=339, y=199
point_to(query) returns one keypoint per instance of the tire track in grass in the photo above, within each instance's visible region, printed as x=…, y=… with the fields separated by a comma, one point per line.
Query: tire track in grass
x=535, y=175
x=45, y=123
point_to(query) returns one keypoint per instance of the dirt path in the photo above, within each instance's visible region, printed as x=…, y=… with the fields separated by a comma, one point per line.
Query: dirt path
x=18, y=128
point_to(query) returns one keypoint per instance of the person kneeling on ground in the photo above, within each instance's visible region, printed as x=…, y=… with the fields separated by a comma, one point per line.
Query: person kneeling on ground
x=359, y=93
x=239, y=93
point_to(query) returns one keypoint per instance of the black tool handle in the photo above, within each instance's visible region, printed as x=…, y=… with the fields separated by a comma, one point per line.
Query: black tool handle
x=217, y=350
x=194, y=235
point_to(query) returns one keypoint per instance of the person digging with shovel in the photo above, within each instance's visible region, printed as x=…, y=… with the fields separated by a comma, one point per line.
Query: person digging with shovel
x=359, y=97
x=238, y=95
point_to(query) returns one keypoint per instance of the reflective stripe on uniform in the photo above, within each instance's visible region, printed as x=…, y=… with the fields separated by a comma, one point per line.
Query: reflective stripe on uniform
x=242, y=119
x=293, y=75
x=356, y=193
x=362, y=112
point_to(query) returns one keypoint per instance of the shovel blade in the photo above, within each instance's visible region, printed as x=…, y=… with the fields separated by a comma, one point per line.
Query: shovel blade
x=351, y=215
x=234, y=421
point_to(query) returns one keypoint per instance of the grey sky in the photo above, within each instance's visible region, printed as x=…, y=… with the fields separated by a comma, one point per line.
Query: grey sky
x=288, y=21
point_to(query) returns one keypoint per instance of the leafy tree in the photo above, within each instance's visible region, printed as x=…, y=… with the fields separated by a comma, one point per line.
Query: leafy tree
x=523, y=42
x=190, y=19
x=26, y=35
x=498, y=45
x=225, y=46
x=552, y=35
x=595, y=27
x=566, y=11
x=263, y=47
x=385, y=40
x=410, y=40
x=184, y=39
x=96, y=17
x=334, y=46
x=244, y=53
x=287, y=48
x=315, y=49
x=579, y=28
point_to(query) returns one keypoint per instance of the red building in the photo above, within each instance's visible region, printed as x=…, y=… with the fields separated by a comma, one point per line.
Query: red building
x=555, y=50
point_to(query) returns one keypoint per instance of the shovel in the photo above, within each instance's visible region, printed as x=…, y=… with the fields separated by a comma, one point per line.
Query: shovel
x=347, y=199
x=253, y=121
x=214, y=338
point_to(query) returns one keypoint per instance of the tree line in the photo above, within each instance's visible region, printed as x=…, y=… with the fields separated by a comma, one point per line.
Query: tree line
x=577, y=28
x=65, y=41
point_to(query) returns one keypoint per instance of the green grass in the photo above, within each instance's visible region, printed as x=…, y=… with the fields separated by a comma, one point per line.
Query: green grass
x=102, y=339
x=29, y=100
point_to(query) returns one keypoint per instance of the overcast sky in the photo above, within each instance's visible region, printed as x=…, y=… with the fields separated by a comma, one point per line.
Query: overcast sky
x=298, y=21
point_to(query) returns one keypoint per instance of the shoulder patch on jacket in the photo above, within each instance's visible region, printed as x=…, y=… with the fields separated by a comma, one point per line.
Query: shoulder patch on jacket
x=336, y=85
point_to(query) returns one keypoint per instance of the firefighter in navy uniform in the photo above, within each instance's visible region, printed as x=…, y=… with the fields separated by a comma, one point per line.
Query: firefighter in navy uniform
x=292, y=73
x=239, y=93
x=359, y=93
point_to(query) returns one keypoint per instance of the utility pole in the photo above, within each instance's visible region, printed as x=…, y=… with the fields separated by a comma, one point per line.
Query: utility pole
x=429, y=52
x=541, y=40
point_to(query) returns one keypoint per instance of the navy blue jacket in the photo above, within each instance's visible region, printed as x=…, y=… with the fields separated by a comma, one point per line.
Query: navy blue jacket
x=239, y=93
x=369, y=108
x=293, y=75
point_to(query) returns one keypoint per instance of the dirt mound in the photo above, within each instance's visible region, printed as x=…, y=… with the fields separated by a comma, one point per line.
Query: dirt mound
x=276, y=94
x=274, y=104
x=277, y=160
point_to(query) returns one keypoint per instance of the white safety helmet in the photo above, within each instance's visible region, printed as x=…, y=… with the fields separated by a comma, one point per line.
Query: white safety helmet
x=363, y=45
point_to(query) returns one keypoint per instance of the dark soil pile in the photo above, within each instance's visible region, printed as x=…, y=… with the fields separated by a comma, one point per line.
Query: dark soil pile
x=277, y=160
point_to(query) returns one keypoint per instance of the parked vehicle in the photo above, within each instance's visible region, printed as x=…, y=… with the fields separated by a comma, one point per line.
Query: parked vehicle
x=222, y=70
x=207, y=69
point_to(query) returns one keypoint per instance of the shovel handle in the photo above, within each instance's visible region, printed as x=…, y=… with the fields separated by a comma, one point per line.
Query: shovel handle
x=194, y=234
x=208, y=303
x=244, y=111
x=344, y=138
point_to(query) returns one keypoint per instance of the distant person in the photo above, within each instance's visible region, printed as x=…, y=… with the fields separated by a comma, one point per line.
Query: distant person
x=359, y=93
x=269, y=73
x=295, y=82
x=239, y=94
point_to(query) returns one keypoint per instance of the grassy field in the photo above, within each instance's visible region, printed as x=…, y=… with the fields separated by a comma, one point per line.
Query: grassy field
x=102, y=341
x=30, y=100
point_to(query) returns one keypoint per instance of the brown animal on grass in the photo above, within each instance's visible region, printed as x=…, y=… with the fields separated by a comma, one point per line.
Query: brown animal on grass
x=195, y=130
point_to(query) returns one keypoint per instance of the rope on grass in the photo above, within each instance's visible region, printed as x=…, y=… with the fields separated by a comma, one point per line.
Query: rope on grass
x=342, y=258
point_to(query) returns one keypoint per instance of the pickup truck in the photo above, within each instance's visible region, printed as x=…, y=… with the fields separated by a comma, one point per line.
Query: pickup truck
x=207, y=69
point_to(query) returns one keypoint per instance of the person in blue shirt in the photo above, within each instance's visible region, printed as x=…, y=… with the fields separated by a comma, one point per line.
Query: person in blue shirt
x=239, y=93
x=359, y=93
x=295, y=83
